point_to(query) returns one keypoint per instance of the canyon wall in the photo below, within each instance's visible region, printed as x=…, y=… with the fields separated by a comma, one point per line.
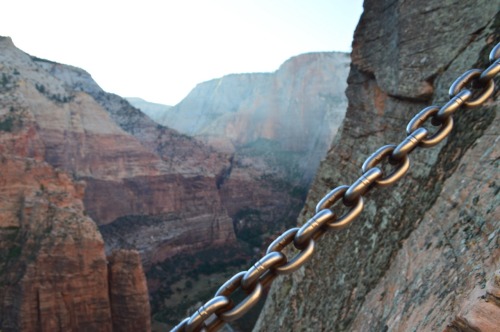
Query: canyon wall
x=75, y=158
x=294, y=112
x=133, y=168
x=54, y=275
x=423, y=254
x=155, y=194
x=276, y=127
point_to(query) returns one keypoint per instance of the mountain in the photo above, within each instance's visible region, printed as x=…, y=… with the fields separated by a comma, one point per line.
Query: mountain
x=54, y=273
x=87, y=175
x=132, y=167
x=153, y=110
x=276, y=127
x=423, y=254
x=75, y=157
x=290, y=115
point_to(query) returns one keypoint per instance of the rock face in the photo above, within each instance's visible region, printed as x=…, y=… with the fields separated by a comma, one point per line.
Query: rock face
x=423, y=254
x=276, y=126
x=72, y=157
x=53, y=268
x=53, y=272
x=128, y=292
x=134, y=169
x=295, y=110
x=147, y=187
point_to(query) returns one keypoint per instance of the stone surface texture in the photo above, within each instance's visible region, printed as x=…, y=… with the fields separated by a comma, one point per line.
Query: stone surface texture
x=54, y=271
x=128, y=292
x=425, y=253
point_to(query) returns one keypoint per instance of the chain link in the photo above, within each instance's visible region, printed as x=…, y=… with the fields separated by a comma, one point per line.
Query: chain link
x=234, y=312
x=386, y=152
x=303, y=256
x=445, y=126
x=414, y=139
x=471, y=89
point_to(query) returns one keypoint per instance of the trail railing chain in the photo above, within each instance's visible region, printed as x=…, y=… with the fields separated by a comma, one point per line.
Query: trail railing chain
x=471, y=89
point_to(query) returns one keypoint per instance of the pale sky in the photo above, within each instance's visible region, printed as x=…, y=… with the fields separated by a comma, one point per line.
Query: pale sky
x=159, y=50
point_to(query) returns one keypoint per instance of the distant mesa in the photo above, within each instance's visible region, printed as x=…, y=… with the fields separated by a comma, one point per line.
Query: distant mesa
x=153, y=110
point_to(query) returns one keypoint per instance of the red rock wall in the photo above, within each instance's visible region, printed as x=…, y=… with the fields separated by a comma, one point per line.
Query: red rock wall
x=53, y=267
x=133, y=168
x=128, y=292
x=54, y=275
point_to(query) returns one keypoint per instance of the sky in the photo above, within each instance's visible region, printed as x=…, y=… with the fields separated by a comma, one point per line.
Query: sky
x=159, y=50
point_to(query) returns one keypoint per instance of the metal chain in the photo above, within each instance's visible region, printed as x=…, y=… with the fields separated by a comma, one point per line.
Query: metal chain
x=471, y=89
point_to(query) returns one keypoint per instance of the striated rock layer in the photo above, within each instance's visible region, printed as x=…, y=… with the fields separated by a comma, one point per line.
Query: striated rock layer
x=276, y=126
x=294, y=111
x=128, y=292
x=54, y=271
x=424, y=252
x=53, y=268
x=133, y=168
x=147, y=187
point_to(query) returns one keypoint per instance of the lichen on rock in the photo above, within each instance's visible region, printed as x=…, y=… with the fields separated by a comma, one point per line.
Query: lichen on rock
x=420, y=250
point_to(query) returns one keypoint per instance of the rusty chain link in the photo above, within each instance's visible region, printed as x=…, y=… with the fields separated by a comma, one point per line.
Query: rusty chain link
x=471, y=89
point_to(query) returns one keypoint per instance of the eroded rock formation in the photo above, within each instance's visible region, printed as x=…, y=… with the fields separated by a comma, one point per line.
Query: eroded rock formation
x=294, y=111
x=276, y=126
x=128, y=292
x=133, y=168
x=54, y=271
x=147, y=187
x=53, y=267
x=423, y=254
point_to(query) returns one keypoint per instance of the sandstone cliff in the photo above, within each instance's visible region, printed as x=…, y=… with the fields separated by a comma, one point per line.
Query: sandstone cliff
x=152, y=188
x=53, y=267
x=423, y=254
x=133, y=168
x=128, y=292
x=116, y=165
x=276, y=126
x=148, y=187
x=54, y=273
x=293, y=112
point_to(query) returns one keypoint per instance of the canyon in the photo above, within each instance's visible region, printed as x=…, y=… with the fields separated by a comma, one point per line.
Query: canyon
x=293, y=112
x=275, y=126
x=108, y=215
x=88, y=176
